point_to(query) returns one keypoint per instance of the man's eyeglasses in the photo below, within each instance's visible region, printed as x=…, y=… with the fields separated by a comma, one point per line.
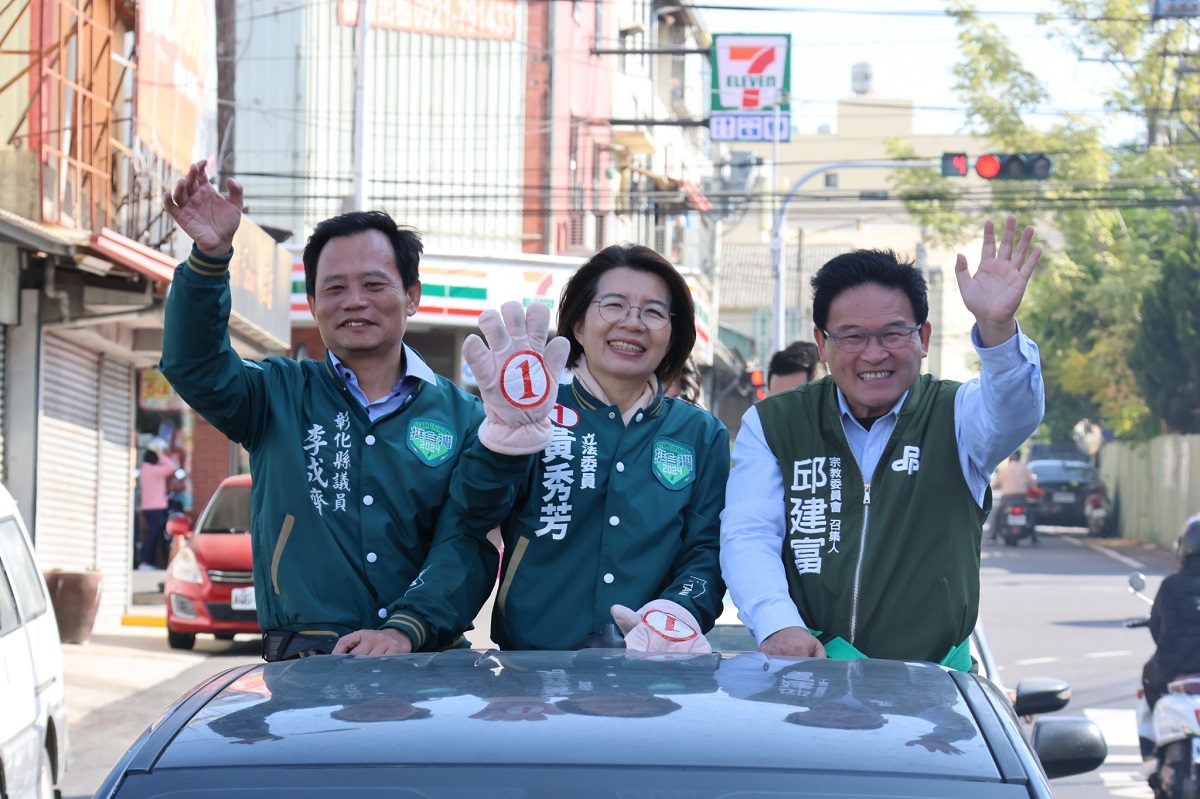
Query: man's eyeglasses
x=894, y=338
x=615, y=310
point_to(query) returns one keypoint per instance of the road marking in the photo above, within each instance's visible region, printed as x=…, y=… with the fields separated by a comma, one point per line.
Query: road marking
x=1126, y=784
x=1035, y=661
x=1117, y=556
x=1123, y=760
x=1119, y=726
x=1116, y=653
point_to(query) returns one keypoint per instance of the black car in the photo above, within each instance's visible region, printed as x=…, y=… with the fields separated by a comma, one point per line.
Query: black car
x=601, y=723
x=1067, y=487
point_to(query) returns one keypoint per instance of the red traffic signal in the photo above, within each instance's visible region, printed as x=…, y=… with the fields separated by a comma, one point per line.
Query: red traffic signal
x=954, y=165
x=755, y=380
x=1014, y=166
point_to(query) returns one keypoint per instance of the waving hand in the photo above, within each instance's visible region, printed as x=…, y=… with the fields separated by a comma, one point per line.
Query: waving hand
x=207, y=217
x=994, y=292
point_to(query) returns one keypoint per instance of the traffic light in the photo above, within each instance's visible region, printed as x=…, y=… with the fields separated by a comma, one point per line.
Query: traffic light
x=755, y=380
x=1013, y=166
x=954, y=165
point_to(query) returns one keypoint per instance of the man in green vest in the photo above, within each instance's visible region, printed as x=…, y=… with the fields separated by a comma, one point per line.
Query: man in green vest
x=855, y=504
x=373, y=490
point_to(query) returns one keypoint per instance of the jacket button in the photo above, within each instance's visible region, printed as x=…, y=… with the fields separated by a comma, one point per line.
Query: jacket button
x=383, y=613
x=368, y=499
x=638, y=418
x=620, y=466
x=372, y=557
x=608, y=578
x=614, y=521
x=612, y=414
x=370, y=440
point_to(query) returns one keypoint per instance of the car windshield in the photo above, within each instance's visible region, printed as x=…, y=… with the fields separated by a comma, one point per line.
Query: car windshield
x=228, y=512
x=1063, y=471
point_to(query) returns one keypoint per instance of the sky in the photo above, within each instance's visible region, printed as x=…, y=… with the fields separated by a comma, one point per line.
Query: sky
x=911, y=48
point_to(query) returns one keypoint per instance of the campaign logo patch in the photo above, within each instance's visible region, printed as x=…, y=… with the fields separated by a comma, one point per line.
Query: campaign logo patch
x=431, y=441
x=674, y=464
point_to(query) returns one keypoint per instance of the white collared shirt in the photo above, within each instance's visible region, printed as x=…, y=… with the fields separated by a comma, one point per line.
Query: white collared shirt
x=414, y=369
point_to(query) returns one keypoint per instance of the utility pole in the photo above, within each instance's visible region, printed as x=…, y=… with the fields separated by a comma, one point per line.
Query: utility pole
x=226, y=11
x=781, y=215
x=358, y=200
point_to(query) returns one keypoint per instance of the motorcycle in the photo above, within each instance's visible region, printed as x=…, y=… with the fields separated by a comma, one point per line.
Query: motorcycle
x=1098, y=511
x=1171, y=734
x=1016, y=519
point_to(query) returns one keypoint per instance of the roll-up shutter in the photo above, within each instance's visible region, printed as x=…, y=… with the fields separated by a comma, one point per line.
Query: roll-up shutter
x=114, y=497
x=68, y=463
x=85, y=467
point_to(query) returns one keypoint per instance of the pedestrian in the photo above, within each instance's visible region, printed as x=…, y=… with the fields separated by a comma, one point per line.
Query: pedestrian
x=361, y=460
x=622, y=509
x=154, y=480
x=872, y=485
x=794, y=365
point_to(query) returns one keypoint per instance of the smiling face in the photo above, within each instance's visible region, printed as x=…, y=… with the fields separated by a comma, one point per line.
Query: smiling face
x=624, y=353
x=360, y=303
x=872, y=380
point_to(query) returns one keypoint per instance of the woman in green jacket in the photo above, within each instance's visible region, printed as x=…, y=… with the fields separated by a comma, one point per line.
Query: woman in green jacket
x=622, y=509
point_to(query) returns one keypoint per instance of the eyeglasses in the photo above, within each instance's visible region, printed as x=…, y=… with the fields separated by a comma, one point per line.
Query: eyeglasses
x=615, y=310
x=894, y=338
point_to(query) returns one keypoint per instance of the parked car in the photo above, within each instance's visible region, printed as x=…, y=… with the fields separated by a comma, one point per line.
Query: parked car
x=598, y=723
x=33, y=710
x=210, y=582
x=1068, y=486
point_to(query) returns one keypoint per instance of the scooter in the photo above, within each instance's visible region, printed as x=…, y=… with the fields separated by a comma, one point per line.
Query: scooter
x=1098, y=510
x=1171, y=734
x=1016, y=518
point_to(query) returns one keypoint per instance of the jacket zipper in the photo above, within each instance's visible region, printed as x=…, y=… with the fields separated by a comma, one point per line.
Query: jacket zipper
x=862, y=548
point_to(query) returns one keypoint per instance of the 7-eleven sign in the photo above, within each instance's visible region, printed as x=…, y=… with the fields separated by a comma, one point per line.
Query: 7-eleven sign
x=751, y=72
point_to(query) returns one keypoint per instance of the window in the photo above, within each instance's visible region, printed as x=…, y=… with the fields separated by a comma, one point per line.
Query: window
x=831, y=180
x=26, y=579
x=9, y=620
x=228, y=511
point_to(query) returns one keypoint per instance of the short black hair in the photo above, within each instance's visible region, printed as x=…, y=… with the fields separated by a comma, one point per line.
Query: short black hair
x=406, y=243
x=580, y=290
x=857, y=268
x=799, y=356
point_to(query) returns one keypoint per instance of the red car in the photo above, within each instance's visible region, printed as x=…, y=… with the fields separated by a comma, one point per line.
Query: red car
x=210, y=580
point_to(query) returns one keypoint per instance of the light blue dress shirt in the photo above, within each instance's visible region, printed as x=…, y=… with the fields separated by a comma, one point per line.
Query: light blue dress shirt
x=993, y=415
x=414, y=369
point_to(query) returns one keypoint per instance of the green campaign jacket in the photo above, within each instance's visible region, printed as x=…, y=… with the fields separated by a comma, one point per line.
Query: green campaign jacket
x=356, y=524
x=609, y=515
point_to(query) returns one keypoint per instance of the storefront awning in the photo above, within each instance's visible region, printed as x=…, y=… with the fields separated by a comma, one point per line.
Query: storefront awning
x=132, y=254
x=693, y=196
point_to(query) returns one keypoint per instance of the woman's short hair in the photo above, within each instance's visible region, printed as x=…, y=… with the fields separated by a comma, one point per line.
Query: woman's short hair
x=580, y=290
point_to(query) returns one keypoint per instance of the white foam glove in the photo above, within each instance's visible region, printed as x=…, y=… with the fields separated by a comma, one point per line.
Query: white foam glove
x=660, y=627
x=517, y=373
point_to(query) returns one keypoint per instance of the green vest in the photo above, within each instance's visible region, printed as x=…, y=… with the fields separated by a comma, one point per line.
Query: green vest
x=889, y=563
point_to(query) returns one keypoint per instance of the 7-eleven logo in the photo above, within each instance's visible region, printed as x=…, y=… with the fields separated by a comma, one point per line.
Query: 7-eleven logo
x=750, y=71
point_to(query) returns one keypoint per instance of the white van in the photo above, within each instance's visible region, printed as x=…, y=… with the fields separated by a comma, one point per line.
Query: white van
x=33, y=723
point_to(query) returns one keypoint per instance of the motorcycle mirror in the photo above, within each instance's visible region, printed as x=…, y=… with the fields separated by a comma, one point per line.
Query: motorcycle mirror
x=1137, y=582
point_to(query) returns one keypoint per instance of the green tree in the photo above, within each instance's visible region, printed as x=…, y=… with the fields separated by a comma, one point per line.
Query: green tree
x=1108, y=215
x=1167, y=345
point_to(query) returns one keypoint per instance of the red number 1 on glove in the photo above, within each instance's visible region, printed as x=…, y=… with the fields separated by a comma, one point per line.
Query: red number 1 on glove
x=527, y=370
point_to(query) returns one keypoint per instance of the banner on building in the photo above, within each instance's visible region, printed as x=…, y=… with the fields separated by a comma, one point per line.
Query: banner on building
x=177, y=81
x=468, y=19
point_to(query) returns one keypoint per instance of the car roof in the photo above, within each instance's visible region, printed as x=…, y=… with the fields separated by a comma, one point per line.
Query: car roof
x=586, y=708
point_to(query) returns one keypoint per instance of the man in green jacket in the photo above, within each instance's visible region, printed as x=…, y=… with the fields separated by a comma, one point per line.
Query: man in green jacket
x=855, y=504
x=362, y=462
